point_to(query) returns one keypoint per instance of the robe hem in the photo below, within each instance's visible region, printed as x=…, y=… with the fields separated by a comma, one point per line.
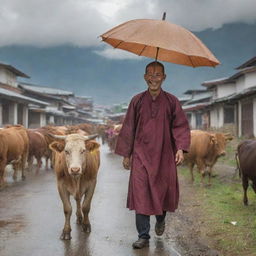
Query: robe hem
x=152, y=212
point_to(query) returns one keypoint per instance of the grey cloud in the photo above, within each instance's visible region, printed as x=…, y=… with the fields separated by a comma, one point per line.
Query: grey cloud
x=80, y=22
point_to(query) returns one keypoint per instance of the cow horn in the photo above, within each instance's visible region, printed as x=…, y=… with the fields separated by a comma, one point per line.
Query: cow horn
x=91, y=137
x=60, y=137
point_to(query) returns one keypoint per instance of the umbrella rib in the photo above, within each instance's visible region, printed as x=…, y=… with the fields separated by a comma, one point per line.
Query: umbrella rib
x=118, y=44
x=145, y=46
x=191, y=61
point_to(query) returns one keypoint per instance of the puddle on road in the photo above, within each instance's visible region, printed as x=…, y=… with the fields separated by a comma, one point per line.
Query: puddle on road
x=14, y=225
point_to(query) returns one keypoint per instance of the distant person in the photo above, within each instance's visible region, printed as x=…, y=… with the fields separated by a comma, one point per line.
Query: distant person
x=154, y=135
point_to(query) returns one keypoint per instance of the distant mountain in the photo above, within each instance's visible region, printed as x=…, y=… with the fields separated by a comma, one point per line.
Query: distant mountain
x=114, y=81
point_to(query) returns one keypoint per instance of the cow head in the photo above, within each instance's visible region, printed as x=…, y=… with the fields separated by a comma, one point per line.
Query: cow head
x=76, y=148
x=221, y=141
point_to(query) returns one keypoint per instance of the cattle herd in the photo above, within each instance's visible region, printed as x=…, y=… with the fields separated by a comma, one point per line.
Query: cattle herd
x=74, y=155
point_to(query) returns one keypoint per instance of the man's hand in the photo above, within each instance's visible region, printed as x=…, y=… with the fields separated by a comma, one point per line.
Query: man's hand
x=126, y=163
x=179, y=157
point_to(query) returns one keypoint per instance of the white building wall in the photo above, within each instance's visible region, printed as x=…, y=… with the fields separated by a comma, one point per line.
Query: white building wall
x=213, y=118
x=254, y=117
x=250, y=80
x=7, y=77
x=51, y=120
x=220, y=116
x=240, y=84
x=226, y=89
x=239, y=119
x=42, y=119
x=25, y=116
x=13, y=113
x=193, y=120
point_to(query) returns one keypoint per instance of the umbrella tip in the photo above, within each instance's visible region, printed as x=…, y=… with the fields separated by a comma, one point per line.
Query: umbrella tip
x=164, y=16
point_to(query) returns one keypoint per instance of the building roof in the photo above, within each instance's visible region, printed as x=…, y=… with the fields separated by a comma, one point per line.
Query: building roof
x=230, y=79
x=197, y=106
x=185, y=98
x=13, y=70
x=45, y=90
x=248, y=63
x=236, y=96
x=242, y=72
x=214, y=82
x=196, y=91
x=202, y=97
x=11, y=95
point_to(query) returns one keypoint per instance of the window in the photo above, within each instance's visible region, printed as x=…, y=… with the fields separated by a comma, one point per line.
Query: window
x=229, y=114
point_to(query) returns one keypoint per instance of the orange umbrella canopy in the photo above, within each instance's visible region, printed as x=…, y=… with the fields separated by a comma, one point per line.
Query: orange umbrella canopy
x=161, y=40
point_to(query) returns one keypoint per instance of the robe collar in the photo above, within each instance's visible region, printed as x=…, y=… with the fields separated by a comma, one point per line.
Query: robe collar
x=157, y=97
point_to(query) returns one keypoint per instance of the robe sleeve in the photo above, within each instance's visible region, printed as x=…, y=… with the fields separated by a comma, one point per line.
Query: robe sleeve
x=180, y=127
x=126, y=137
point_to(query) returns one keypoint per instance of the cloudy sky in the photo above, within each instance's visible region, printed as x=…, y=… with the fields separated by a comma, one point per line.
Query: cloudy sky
x=48, y=23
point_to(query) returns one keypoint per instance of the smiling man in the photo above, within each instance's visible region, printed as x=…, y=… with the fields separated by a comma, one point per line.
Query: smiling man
x=154, y=135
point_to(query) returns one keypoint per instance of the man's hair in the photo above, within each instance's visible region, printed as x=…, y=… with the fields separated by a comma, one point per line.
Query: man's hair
x=155, y=63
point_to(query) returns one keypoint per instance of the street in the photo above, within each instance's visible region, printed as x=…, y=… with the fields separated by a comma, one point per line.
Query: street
x=31, y=217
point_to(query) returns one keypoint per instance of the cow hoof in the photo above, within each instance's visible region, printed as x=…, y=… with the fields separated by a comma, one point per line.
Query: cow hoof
x=65, y=236
x=86, y=228
x=79, y=220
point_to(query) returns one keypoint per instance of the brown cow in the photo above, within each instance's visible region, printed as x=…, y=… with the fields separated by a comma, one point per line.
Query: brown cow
x=45, y=130
x=205, y=149
x=77, y=161
x=14, y=148
x=37, y=148
x=246, y=156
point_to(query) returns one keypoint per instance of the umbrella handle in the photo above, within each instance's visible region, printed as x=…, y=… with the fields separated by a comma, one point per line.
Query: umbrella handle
x=157, y=50
x=164, y=16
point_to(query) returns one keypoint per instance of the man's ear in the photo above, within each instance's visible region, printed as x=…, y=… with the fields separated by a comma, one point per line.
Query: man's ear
x=91, y=145
x=57, y=146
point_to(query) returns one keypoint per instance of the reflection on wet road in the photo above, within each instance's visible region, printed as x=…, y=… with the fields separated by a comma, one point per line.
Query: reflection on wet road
x=31, y=218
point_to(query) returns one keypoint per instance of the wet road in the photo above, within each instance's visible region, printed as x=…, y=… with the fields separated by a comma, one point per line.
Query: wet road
x=31, y=218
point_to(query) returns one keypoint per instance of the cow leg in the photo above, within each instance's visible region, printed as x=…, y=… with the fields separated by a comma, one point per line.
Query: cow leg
x=15, y=167
x=79, y=217
x=30, y=162
x=2, y=169
x=86, y=207
x=39, y=163
x=201, y=168
x=245, y=186
x=209, y=175
x=46, y=162
x=65, y=197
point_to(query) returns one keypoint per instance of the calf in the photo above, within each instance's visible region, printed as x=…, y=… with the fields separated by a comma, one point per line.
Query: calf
x=246, y=161
x=76, y=164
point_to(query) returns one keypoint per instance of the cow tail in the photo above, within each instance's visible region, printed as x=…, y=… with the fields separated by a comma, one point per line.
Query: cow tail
x=238, y=164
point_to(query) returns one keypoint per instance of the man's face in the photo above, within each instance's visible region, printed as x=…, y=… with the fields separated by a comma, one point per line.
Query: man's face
x=154, y=78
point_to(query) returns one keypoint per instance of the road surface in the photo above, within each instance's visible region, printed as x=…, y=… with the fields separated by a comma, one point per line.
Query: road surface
x=31, y=218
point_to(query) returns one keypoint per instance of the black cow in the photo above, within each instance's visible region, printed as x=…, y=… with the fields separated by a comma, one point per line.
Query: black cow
x=246, y=156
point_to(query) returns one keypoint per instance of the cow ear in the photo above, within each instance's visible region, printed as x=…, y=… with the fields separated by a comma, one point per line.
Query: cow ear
x=91, y=145
x=57, y=146
x=212, y=139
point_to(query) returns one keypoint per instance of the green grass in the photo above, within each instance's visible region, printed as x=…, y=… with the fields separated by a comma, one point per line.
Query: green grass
x=222, y=203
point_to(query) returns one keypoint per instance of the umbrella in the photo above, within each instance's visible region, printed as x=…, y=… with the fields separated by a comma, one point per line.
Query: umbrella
x=160, y=40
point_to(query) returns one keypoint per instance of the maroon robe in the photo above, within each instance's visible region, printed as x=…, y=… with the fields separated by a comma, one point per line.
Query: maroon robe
x=152, y=132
